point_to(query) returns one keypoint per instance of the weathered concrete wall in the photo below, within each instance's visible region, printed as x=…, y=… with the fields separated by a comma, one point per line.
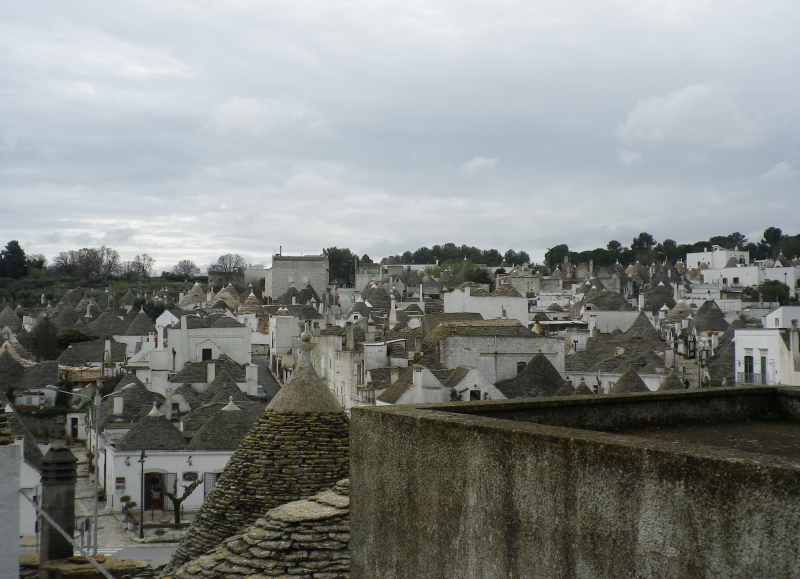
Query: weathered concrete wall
x=436, y=493
x=9, y=510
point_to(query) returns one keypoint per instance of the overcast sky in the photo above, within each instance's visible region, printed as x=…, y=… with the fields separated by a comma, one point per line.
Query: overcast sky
x=187, y=129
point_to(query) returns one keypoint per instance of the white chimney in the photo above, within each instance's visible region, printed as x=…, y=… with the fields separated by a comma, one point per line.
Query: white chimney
x=211, y=372
x=417, y=378
x=118, y=402
x=395, y=374
x=168, y=404
x=180, y=297
x=641, y=301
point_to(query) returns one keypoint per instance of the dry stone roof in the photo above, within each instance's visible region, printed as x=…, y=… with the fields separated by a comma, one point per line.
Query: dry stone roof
x=39, y=375
x=66, y=318
x=196, y=372
x=582, y=389
x=83, y=353
x=251, y=305
x=710, y=317
x=305, y=538
x=538, y=378
x=10, y=372
x=289, y=437
x=153, y=432
x=224, y=385
x=10, y=319
x=226, y=428
x=137, y=402
x=141, y=325
x=500, y=327
x=196, y=294
x=671, y=382
x=108, y=325
x=629, y=383
x=567, y=389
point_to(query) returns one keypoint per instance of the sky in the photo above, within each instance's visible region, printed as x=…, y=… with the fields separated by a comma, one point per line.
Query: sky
x=189, y=129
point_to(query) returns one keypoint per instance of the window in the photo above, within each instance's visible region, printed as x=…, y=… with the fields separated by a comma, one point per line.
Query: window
x=291, y=279
x=305, y=279
x=209, y=482
x=725, y=281
x=169, y=486
x=176, y=407
x=748, y=364
x=736, y=281
x=474, y=395
x=206, y=354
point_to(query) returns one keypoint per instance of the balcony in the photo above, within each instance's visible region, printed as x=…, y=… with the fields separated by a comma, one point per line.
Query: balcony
x=754, y=379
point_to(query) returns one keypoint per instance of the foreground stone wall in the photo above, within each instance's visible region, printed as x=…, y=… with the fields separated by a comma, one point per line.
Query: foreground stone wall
x=285, y=457
x=441, y=494
x=306, y=538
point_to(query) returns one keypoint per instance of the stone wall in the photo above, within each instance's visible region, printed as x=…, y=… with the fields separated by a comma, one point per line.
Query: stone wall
x=441, y=493
x=306, y=538
x=285, y=457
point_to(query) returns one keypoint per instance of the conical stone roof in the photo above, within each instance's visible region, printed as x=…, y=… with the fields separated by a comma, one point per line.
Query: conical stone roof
x=302, y=432
x=152, y=432
x=710, y=317
x=567, y=389
x=226, y=428
x=108, y=325
x=629, y=383
x=538, y=378
x=141, y=325
x=10, y=319
x=582, y=389
x=671, y=382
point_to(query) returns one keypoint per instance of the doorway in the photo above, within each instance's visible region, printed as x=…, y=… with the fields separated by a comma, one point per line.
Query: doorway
x=153, y=491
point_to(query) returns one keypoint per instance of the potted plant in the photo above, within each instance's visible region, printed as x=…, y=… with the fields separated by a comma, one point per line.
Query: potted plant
x=89, y=457
x=127, y=507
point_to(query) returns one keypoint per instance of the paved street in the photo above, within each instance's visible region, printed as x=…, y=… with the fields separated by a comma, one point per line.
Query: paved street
x=265, y=377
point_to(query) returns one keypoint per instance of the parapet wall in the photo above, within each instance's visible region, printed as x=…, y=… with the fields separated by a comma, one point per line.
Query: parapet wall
x=439, y=491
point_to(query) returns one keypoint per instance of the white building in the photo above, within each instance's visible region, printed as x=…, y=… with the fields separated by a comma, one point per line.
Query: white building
x=717, y=258
x=490, y=306
x=420, y=385
x=767, y=356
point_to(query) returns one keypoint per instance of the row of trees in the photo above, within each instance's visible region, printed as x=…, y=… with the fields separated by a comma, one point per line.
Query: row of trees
x=93, y=262
x=14, y=264
x=647, y=250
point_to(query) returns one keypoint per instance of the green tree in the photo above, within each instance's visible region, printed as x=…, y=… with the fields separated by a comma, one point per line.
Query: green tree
x=72, y=337
x=44, y=339
x=341, y=265
x=774, y=291
x=643, y=242
x=555, y=255
x=12, y=261
x=614, y=246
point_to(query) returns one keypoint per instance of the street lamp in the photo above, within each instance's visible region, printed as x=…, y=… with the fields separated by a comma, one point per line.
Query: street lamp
x=141, y=503
x=96, y=401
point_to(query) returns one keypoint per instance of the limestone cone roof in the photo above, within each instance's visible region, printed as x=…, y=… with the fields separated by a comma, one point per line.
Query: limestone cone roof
x=661, y=295
x=194, y=294
x=153, y=432
x=671, y=382
x=108, y=325
x=127, y=299
x=314, y=447
x=538, y=378
x=10, y=372
x=82, y=353
x=582, y=389
x=305, y=393
x=222, y=382
x=251, y=305
x=231, y=299
x=722, y=367
x=629, y=383
x=226, y=428
x=554, y=307
x=10, y=319
x=678, y=313
x=313, y=529
x=567, y=389
x=710, y=317
x=137, y=402
x=39, y=375
x=72, y=297
x=189, y=394
x=643, y=329
x=141, y=325
x=228, y=392
x=129, y=378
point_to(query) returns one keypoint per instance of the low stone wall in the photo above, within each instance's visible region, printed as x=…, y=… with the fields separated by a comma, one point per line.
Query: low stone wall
x=307, y=538
x=440, y=493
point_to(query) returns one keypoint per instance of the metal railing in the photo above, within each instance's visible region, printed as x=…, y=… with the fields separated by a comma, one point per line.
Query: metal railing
x=755, y=379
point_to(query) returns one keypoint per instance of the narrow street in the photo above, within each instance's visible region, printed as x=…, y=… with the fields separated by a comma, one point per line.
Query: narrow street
x=265, y=377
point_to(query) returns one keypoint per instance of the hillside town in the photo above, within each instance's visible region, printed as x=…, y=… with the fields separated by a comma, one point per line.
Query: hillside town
x=237, y=366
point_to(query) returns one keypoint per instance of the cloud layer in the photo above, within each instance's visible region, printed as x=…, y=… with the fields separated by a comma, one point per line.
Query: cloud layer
x=191, y=129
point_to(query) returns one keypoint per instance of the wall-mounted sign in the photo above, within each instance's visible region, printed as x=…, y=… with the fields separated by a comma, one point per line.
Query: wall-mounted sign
x=120, y=484
x=190, y=476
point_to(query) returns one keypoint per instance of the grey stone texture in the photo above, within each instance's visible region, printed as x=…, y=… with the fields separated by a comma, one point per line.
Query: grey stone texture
x=576, y=488
x=306, y=538
x=298, y=447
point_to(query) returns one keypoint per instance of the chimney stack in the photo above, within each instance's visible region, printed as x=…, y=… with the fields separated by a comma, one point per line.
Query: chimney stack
x=118, y=405
x=168, y=404
x=349, y=339
x=211, y=372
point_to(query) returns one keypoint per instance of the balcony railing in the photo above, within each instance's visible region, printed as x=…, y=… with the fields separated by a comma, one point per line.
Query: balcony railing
x=755, y=379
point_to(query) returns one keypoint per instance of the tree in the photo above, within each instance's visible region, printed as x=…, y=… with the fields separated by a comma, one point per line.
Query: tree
x=614, y=246
x=37, y=261
x=341, y=264
x=143, y=265
x=365, y=259
x=176, y=500
x=88, y=262
x=228, y=262
x=774, y=291
x=44, y=338
x=72, y=336
x=186, y=267
x=643, y=241
x=555, y=255
x=12, y=261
